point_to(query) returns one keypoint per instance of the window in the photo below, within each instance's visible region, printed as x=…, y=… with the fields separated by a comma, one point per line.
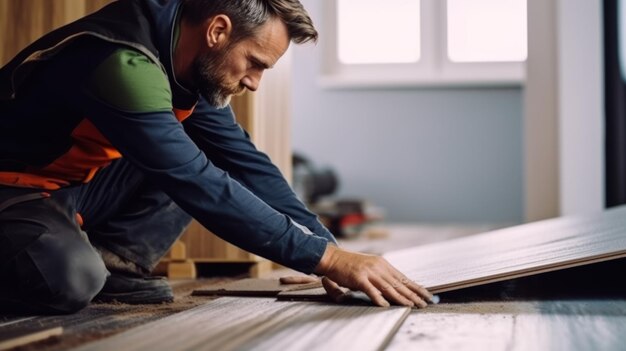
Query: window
x=425, y=42
x=361, y=40
x=486, y=30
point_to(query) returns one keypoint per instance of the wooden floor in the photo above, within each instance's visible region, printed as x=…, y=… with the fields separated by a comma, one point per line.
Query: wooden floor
x=582, y=308
x=528, y=325
x=490, y=318
x=231, y=323
x=99, y=321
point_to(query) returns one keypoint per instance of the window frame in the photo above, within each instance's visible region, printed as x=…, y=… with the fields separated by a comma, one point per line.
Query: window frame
x=434, y=69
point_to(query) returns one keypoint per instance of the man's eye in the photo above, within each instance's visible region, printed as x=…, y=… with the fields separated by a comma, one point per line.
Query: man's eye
x=257, y=65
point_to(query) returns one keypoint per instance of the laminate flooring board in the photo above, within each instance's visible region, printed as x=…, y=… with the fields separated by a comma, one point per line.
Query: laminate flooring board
x=99, y=321
x=8, y=320
x=515, y=252
x=576, y=325
x=263, y=324
x=402, y=236
x=253, y=287
x=25, y=339
x=92, y=323
x=317, y=294
x=82, y=320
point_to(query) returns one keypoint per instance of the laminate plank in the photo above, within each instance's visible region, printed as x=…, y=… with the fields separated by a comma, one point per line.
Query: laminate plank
x=515, y=252
x=402, y=236
x=25, y=339
x=317, y=294
x=99, y=320
x=515, y=326
x=453, y=331
x=263, y=324
x=8, y=320
x=575, y=325
x=253, y=287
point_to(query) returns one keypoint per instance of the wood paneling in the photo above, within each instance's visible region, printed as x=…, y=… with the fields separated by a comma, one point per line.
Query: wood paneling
x=93, y=5
x=24, y=21
x=202, y=244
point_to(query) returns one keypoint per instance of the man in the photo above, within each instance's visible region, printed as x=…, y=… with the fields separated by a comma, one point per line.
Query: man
x=115, y=131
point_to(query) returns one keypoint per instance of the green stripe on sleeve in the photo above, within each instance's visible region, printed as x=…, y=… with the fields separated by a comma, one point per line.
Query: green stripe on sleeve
x=129, y=81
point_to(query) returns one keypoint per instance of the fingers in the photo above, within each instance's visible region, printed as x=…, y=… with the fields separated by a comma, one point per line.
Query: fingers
x=374, y=276
x=422, y=292
x=298, y=279
x=400, y=289
x=400, y=286
x=334, y=290
x=379, y=291
x=393, y=292
x=419, y=290
x=338, y=294
x=375, y=295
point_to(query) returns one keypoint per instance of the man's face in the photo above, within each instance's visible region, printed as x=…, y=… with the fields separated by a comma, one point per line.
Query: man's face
x=223, y=72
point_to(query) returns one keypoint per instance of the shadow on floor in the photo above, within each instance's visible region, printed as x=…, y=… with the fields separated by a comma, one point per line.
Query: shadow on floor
x=595, y=281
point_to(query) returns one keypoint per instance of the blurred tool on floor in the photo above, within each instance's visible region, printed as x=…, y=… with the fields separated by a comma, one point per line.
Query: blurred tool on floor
x=345, y=218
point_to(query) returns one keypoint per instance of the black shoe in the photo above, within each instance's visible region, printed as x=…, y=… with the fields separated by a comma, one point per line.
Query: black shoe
x=135, y=290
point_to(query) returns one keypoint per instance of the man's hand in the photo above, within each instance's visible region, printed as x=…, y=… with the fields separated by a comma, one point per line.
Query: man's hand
x=373, y=275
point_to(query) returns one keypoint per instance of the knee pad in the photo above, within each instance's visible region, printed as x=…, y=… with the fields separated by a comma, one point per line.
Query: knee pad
x=72, y=270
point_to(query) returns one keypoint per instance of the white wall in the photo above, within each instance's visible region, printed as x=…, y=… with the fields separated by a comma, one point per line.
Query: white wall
x=564, y=109
x=581, y=106
x=541, y=111
x=423, y=154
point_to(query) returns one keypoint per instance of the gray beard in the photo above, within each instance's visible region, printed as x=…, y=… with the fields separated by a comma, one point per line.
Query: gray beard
x=209, y=80
x=217, y=99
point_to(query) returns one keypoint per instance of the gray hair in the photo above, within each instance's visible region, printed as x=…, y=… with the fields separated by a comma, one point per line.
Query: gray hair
x=248, y=15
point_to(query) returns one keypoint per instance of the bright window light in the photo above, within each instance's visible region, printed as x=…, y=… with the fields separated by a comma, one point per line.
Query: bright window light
x=374, y=31
x=487, y=30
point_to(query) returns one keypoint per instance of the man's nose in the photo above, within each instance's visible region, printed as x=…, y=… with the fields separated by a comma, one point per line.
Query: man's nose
x=252, y=80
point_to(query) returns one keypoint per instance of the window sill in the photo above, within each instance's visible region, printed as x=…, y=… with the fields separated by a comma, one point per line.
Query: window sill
x=346, y=82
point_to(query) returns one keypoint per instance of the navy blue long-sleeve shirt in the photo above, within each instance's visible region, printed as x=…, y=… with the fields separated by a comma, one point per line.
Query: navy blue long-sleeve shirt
x=206, y=164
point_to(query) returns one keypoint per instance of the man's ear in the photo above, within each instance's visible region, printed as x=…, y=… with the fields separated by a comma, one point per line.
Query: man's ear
x=218, y=31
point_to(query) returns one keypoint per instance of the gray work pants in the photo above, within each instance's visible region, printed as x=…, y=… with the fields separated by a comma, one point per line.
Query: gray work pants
x=48, y=263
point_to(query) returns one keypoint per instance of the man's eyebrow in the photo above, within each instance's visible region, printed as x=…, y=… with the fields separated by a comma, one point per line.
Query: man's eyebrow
x=261, y=63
